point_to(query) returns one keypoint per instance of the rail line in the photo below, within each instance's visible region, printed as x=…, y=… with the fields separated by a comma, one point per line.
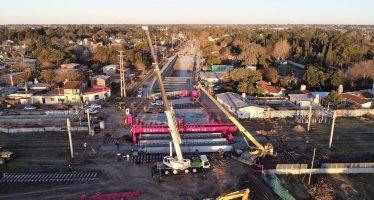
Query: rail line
x=47, y=177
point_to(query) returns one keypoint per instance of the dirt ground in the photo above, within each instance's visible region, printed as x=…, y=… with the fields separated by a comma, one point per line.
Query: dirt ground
x=353, y=186
x=48, y=152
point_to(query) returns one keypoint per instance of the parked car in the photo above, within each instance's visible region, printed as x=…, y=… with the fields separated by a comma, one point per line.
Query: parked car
x=60, y=107
x=140, y=90
x=29, y=107
x=139, y=95
x=94, y=106
x=157, y=103
x=91, y=111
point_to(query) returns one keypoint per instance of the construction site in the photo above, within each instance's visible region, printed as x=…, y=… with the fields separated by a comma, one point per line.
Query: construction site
x=178, y=142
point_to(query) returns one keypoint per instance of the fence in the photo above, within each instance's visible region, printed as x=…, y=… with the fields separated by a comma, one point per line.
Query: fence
x=339, y=113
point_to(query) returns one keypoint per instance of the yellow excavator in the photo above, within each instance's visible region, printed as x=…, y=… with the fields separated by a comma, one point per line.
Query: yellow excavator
x=260, y=150
x=244, y=194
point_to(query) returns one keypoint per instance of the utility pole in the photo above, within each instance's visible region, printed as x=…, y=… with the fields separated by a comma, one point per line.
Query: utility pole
x=90, y=132
x=332, y=129
x=311, y=167
x=70, y=140
x=310, y=114
x=122, y=75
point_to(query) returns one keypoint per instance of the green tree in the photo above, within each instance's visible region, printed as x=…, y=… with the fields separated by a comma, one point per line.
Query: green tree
x=245, y=80
x=334, y=99
x=271, y=74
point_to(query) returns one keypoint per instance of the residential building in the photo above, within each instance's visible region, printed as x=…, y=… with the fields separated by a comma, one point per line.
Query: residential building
x=110, y=69
x=14, y=78
x=240, y=106
x=70, y=66
x=358, y=99
x=96, y=93
x=100, y=80
x=267, y=88
x=72, y=91
x=302, y=100
x=253, y=68
x=214, y=77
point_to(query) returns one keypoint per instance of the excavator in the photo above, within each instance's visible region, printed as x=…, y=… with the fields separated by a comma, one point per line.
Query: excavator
x=170, y=164
x=259, y=151
x=244, y=194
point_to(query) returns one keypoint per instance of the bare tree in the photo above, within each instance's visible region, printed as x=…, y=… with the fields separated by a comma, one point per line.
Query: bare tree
x=281, y=50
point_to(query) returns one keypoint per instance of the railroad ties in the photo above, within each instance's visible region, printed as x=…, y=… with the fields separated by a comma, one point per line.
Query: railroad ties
x=153, y=158
x=47, y=177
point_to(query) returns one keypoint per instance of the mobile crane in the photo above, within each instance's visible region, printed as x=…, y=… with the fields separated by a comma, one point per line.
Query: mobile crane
x=260, y=151
x=172, y=164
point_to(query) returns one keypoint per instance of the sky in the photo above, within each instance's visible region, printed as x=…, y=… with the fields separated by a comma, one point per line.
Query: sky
x=187, y=12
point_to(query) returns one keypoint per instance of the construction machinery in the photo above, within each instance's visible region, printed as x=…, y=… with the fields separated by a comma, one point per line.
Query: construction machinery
x=5, y=155
x=234, y=195
x=170, y=163
x=260, y=150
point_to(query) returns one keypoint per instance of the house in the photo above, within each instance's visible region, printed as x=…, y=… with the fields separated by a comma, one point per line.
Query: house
x=100, y=80
x=39, y=86
x=240, y=106
x=267, y=88
x=110, y=69
x=214, y=77
x=13, y=78
x=253, y=68
x=70, y=66
x=96, y=93
x=357, y=99
x=55, y=96
x=302, y=100
x=72, y=91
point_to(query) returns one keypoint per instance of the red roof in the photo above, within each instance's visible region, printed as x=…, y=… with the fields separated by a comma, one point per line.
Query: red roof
x=268, y=87
x=354, y=98
x=72, y=85
x=96, y=89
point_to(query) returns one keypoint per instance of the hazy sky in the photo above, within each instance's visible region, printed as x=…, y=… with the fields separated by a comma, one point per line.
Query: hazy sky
x=187, y=11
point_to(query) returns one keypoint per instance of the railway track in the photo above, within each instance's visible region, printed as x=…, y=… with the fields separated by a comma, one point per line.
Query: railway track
x=47, y=177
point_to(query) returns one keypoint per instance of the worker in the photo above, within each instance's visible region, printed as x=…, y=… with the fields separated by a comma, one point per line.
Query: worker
x=85, y=146
x=69, y=168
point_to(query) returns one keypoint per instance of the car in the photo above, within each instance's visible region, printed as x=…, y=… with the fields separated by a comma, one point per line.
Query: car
x=140, y=90
x=90, y=110
x=157, y=103
x=139, y=95
x=94, y=106
x=29, y=107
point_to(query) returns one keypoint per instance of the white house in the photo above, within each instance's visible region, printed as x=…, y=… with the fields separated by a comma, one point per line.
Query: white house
x=302, y=100
x=110, y=69
x=96, y=93
x=239, y=106
x=358, y=100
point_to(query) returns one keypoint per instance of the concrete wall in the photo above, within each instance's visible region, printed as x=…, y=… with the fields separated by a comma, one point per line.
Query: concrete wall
x=40, y=129
x=167, y=70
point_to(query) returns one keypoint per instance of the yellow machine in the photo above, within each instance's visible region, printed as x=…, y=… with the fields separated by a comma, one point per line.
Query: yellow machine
x=261, y=150
x=244, y=194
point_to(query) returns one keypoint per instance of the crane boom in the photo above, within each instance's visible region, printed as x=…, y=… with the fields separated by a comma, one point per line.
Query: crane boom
x=268, y=149
x=174, y=131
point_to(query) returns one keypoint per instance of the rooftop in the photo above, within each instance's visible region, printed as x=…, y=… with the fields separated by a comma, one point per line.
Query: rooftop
x=72, y=85
x=354, y=98
x=235, y=101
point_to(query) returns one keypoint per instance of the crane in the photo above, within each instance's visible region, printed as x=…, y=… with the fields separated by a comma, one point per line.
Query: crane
x=261, y=150
x=177, y=163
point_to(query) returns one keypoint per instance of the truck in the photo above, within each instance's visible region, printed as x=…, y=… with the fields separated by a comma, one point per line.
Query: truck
x=5, y=155
x=198, y=164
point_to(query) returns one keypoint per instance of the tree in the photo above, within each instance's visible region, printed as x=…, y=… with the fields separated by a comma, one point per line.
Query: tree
x=271, y=74
x=315, y=78
x=246, y=80
x=289, y=82
x=334, y=99
x=337, y=79
x=361, y=73
x=48, y=76
x=281, y=50
x=253, y=54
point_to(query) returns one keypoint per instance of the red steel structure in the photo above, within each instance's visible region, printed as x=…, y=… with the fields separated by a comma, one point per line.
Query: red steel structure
x=226, y=129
